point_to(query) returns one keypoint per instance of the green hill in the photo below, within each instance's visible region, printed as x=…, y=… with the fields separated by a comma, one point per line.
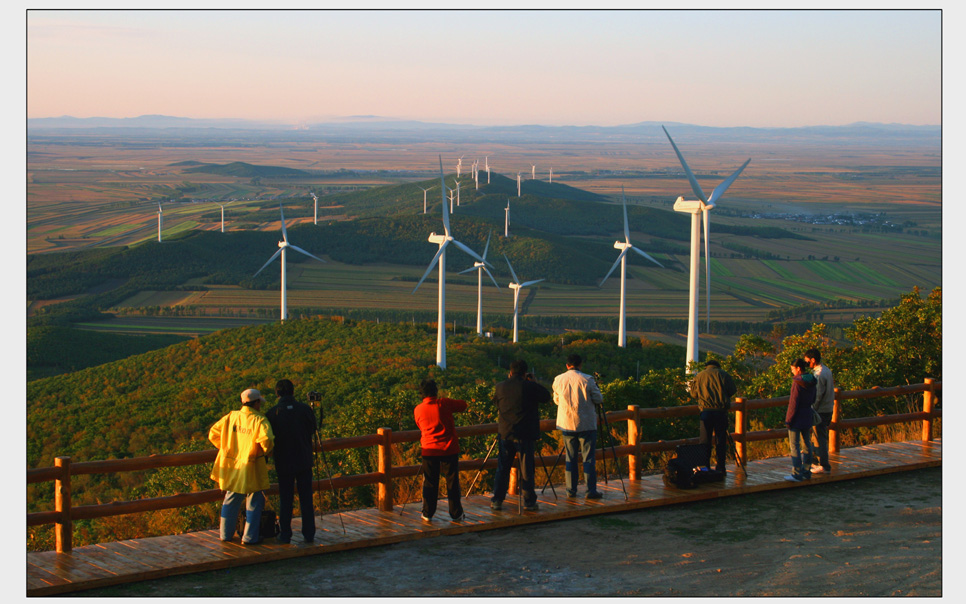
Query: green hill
x=243, y=169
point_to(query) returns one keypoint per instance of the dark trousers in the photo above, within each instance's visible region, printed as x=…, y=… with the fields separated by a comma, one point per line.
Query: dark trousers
x=714, y=428
x=821, y=440
x=430, y=469
x=286, y=496
x=501, y=483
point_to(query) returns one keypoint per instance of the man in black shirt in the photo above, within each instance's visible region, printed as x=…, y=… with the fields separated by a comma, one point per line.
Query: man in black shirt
x=293, y=424
x=517, y=400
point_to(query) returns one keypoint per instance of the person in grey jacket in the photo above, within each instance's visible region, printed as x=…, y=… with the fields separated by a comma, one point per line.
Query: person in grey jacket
x=577, y=396
x=824, y=404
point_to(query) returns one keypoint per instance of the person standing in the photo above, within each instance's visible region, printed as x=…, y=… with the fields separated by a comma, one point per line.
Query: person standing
x=518, y=403
x=577, y=397
x=713, y=389
x=293, y=424
x=798, y=419
x=824, y=405
x=440, y=449
x=243, y=438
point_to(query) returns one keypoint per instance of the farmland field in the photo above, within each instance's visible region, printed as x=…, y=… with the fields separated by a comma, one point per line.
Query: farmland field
x=83, y=196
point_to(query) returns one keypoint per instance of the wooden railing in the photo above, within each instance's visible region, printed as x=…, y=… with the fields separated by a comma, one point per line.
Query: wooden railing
x=64, y=513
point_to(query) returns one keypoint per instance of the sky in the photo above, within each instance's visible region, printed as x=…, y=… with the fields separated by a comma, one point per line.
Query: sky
x=759, y=68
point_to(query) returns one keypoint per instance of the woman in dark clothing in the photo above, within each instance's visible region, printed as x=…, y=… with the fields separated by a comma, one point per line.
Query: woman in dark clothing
x=798, y=418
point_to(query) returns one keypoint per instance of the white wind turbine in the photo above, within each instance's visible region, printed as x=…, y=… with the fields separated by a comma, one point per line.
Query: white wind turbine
x=487, y=169
x=551, y=173
x=480, y=267
x=424, y=196
x=284, y=245
x=506, y=224
x=160, y=221
x=518, y=184
x=443, y=240
x=316, y=219
x=223, y=215
x=624, y=246
x=516, y=286
x=459, y=166
x=533, y=171
x=457, y=193
x=700, y=212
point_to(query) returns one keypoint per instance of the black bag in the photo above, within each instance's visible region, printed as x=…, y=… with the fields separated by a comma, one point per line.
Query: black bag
x=267, y=527
x=681, y=472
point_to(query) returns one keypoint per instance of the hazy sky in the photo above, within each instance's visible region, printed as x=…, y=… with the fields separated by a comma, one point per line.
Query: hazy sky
x=716, y=68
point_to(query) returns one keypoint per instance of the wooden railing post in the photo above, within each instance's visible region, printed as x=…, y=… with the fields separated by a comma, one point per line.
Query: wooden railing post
x=833, y=431
x=384, y=495
x=63, y=529
x=741, y=426
x=928, y=400
x=634, y=439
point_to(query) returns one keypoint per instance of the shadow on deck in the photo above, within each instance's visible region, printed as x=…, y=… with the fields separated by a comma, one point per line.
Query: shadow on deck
x=103, y=564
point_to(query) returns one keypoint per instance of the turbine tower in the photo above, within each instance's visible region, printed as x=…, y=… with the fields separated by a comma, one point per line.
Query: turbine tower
x=424, y=196
x=518, y=184
x=487, y=169
x=283, y=245
x=480, y=267
x=533, y=172
x=700, y=212
x=459, y=166
x=443, y=240
x=516, y=286
x=316, y=220
x=624, y=246
x=551, y=173
x=223, y=215
x=160, y=221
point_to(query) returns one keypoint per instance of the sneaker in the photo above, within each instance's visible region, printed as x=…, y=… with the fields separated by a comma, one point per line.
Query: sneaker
x=426, y=518
x=459, y=518
x=793, y=478
x=496, y=505
x=258, y=542
x=594, y=495
x=531, y=508
x=571, y=493
x=818, y=469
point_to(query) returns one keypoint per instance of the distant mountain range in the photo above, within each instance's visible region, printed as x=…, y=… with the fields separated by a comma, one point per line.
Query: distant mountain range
x=378, y=129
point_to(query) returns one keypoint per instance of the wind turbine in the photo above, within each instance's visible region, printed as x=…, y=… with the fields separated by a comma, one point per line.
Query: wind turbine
x=443, y=240
x=624, y=246
x=518, y=184
x=223, y=215
x=424, y=196
x=506, y=225
x=283, y=245
x=533, y=172
x=459, y=166
x=160, y=220
x=516, y=286
x=457, y=193
x=699, y=211
x=316, y=207
x=487, y=169
x=480, y=267
x=551, y=173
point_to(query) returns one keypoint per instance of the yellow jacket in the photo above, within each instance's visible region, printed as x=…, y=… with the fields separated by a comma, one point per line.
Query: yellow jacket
x=236, y=468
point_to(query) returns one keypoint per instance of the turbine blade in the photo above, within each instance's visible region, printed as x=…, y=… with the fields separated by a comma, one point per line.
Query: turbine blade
x=432, y=265
x=274, y=256
x=301, y=251
x=467, y=250
x=529, y=283
x=720, y=189
x=284, y=233
x=618, y=261
x=472, y=268
x=443, y=194
x=491, y=277
x=487, y=248
x=687, y=170
x=646, y=255
x=515, y=278
x=627, y=232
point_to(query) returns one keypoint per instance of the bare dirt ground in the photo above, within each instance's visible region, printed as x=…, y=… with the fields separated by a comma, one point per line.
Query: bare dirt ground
x=869, y=537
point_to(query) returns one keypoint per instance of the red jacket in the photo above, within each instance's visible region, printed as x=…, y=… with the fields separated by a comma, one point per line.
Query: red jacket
x=434, y=417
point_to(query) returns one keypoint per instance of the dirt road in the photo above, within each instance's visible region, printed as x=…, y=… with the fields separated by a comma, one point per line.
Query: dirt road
x=878, y=536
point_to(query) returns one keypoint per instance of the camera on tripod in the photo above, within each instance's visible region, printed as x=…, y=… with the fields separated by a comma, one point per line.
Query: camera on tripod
x=315, y=397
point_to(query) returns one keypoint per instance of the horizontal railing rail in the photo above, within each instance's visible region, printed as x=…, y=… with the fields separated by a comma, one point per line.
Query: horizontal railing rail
x=64, y=513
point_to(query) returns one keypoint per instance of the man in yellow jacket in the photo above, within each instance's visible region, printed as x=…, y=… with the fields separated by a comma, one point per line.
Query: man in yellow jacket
x=243, y=439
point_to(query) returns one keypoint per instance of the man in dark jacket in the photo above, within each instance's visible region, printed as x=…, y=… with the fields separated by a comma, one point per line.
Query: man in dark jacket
x=294, y=425
x=518, y=400
x=713, y=389
x=798, y=418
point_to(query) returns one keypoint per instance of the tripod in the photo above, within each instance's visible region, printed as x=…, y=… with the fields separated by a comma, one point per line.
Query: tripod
x=734, y=451
x=605, y=438
x=325, y=465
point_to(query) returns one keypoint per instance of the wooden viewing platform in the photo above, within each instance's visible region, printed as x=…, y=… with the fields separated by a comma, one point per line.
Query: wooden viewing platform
x=104, y=564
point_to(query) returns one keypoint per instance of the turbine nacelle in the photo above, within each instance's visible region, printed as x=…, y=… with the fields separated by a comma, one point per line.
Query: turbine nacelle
x=692, y=207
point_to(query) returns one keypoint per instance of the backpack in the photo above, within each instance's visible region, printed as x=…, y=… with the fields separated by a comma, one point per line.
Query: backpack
x=681, y=470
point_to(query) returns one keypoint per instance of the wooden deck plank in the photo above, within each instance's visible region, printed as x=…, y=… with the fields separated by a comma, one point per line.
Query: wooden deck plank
x=49, y=573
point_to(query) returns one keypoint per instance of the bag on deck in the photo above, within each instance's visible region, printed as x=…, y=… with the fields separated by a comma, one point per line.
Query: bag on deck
x=681, y=471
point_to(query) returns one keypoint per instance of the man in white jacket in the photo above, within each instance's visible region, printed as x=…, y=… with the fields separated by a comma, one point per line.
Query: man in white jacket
x=576, y=395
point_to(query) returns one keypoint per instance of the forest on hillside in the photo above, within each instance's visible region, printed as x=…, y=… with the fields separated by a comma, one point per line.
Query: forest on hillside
x=165, y=400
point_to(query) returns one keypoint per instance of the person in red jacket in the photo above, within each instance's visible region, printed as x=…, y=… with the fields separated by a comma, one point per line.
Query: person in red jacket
x=440, y=449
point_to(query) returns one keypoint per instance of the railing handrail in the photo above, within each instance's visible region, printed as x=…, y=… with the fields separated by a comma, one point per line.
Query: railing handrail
x=62, y=472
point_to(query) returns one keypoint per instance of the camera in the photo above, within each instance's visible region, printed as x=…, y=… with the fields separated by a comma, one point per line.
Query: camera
x=315, y=397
